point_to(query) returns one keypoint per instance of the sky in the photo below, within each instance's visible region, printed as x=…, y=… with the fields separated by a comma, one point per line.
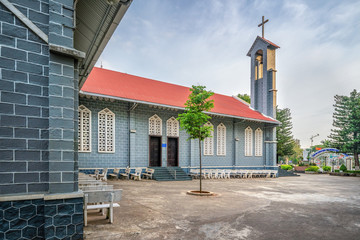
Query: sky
x=205, y=42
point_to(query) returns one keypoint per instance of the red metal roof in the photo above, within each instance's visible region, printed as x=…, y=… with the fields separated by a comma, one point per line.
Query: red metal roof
x=103, y=82
x=271, y=43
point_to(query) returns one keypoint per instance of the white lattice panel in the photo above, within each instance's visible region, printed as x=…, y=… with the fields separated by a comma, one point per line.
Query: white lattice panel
x=209, y=142
x=155, y=125
x=248, y=141
x=106, y=131
x=221, y=139
x=84, y=129
x=258, y=142
x=172, y=127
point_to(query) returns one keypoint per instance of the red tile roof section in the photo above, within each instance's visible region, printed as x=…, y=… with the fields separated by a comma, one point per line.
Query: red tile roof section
x=271, y=43
x=121, y=85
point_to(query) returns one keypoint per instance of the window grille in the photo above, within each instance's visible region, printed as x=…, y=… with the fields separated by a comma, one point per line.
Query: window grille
x=84, y=129
x=172, y=127
x=155, y=125
x=209, y=142
x=221, y=139
x=258, y=142
x=106, y=131
x=248, y=141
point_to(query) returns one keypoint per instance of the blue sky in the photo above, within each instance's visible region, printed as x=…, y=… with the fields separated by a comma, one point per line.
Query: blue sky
x=205, y=42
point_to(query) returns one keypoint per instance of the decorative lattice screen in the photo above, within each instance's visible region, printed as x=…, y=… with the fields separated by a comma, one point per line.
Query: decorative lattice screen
x=155, y=125
x=258, y=142
x=84, y=129
x=209, y=142
x=172, y=127
x=248, y=141
x=106, y=131
x=221, y=139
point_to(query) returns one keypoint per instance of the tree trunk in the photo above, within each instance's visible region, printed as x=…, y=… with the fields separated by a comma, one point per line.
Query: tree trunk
x=200, y=165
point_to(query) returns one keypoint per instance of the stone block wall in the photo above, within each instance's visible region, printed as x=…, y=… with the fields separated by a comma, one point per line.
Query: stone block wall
x=38, y=124
x=139, y=142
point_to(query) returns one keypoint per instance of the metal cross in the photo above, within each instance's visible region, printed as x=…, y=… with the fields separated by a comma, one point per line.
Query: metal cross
x=262, y=24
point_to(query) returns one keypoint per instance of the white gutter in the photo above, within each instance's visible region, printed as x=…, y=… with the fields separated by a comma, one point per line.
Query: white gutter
x=169, y=106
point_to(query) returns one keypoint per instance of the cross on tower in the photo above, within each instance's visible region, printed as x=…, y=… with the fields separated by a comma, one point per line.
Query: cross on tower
x=262, y=24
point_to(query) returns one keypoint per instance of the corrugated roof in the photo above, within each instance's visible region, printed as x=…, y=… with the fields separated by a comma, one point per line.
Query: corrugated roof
x=96, y=21
x=103, y=82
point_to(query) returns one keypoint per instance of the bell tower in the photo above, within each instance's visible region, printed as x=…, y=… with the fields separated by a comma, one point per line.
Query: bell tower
x=263, y=75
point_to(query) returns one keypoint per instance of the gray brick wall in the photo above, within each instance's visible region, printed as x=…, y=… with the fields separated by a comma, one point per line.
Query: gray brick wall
x=188, y=151
x=24, y=102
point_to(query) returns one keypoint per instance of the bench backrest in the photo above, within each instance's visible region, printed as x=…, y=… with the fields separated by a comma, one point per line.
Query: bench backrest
x=103, y=196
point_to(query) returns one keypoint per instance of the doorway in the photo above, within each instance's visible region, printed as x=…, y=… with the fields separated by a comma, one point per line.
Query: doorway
x=155, y=152
x=172, y=152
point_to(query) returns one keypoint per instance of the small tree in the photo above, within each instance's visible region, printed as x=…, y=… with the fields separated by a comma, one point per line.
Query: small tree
x=194, y=118
x=244, y=97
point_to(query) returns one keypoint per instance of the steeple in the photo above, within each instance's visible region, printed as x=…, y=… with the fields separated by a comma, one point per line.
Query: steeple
x=263, y=75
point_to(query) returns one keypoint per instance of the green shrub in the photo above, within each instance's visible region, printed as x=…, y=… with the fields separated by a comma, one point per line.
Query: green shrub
x=312, y=164
x=327, y=168
x=343, y=168
x=286, y=167
x=352, y=171
x=337, y=170
x=301, y=164
x=312, y=169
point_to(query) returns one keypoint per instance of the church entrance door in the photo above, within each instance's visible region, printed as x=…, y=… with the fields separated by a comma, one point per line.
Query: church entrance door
x=155, y=152
x=172, y=152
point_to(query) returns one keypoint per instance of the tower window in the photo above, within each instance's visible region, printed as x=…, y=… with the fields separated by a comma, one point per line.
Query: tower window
x=259, y=65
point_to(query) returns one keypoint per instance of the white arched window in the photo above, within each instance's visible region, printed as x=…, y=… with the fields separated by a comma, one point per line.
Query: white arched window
x=155, y=125
x=106, y=131
x=258, y=142
x=209, y=142
x=221, y=139
x=172, y=127
x=84, y=129
x=248, y=141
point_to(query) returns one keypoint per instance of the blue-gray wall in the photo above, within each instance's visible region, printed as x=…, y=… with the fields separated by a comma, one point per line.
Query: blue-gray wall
x=38, y=124
x=138, y=154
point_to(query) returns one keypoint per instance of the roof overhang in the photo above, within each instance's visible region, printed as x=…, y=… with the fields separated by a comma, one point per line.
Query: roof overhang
x=275, y=122
x=258, y=38
x=96, y=21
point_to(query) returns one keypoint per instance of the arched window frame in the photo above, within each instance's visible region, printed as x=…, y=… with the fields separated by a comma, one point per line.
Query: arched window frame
x=248, y=141
x=209, y=142
x=84, y=137
x=258, y=142
x=106, y=131
x=155, y=125
x=172, y=127
x=221, y=140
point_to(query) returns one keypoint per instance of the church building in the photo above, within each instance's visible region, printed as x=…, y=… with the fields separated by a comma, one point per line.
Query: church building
x=126, y=120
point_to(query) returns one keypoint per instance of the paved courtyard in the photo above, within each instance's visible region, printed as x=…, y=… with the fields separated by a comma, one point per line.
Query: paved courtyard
x=305, y=207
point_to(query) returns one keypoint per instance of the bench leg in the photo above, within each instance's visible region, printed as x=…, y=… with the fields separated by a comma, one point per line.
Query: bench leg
x=112, y=208
x=85, y=210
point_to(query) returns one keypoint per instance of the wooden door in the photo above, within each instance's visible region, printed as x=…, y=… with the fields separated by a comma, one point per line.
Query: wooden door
x=155, y=152
x=172, y=152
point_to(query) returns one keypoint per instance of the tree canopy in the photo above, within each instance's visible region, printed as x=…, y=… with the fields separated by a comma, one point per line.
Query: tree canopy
x=346, y=121
x=244, y=97
x=285, y=141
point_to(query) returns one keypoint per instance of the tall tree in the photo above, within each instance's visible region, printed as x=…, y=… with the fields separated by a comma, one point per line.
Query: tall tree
x=346, y=120
x=285, y=141
x=244, y=97
x=194, y=118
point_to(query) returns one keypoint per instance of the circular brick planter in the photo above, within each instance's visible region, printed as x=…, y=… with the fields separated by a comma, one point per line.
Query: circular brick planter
x=202, y=193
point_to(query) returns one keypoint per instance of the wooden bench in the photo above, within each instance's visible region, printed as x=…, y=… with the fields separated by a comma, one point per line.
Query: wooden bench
x=115, y=174
x=126, y=174
x=149, y=173
x=137, y=174
x=107, y=200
